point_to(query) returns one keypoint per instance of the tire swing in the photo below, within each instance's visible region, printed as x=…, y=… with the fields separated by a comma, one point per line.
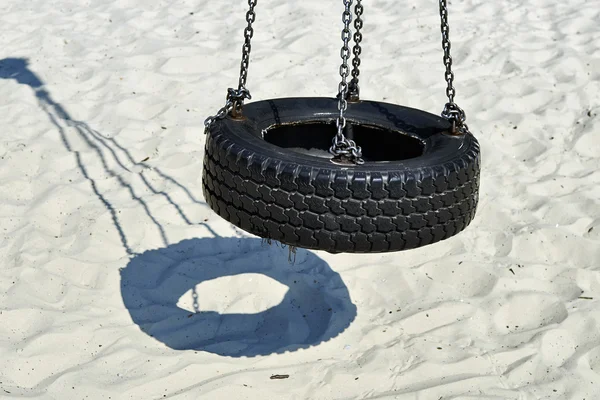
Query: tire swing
x=270, y=166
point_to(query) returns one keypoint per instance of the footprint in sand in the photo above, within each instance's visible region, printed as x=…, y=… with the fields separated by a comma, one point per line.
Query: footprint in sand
x=527, y=311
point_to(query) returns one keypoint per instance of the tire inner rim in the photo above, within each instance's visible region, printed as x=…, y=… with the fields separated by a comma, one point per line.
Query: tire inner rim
x=314, y=138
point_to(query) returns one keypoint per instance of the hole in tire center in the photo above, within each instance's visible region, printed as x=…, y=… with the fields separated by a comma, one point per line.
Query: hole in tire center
x=315, y=138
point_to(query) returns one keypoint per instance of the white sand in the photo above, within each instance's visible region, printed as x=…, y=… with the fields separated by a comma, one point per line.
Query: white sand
x=509, y=309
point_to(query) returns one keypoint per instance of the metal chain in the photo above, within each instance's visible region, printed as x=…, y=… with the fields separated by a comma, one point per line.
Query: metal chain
x=451, y=110
x=235, y=97
x=353, y=88
x=223, y=111
x=343, y=147
x=248, y=33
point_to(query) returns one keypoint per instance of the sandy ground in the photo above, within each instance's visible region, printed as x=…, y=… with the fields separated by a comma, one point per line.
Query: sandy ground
x=117, y=281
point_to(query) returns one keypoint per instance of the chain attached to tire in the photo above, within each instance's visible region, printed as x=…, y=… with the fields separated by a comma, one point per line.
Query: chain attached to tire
x=353, y=88
x=343, y=148
x=451, y=111
x=235, y=97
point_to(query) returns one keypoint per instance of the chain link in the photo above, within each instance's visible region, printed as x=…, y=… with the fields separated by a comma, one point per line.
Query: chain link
x=235, y=97
x=343, y=147
x=353, y=88
x=451, y=110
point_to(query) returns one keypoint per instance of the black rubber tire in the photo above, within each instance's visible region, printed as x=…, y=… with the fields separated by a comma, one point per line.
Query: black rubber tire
x=307, y=201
